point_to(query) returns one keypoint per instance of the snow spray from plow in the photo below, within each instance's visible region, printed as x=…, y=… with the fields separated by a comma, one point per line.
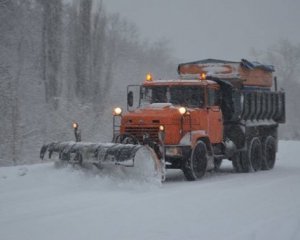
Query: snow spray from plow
x=141, y=158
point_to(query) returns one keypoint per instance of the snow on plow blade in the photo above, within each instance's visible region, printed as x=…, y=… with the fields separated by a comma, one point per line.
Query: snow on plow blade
x=141, y=157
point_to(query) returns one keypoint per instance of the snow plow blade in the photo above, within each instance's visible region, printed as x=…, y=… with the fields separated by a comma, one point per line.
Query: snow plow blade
x=101, y=154
x=117, y=153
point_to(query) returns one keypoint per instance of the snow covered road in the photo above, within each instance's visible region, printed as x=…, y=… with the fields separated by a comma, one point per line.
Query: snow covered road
x=41, y=202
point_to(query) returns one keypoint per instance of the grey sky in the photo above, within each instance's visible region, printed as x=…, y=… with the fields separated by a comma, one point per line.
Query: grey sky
x=225, y=29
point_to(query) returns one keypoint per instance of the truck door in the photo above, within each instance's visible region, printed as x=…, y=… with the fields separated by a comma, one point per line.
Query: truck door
x=215, y=119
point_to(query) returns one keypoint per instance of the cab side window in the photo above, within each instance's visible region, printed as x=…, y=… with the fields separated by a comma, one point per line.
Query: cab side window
x=213, y=97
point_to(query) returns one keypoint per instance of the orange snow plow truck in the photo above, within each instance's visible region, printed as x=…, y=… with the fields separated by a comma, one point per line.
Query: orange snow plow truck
x=215, y=110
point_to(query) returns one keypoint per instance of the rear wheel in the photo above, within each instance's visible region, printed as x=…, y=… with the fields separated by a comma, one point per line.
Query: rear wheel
x=196, y=166
x=255, y=154
x=268, y=153
x=245, y=161
x=240, y=162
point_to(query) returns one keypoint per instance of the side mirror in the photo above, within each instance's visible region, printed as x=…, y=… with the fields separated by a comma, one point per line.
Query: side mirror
x=130, y=99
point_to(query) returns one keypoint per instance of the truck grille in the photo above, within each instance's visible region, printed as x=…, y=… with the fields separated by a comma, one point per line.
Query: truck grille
x=138, y=132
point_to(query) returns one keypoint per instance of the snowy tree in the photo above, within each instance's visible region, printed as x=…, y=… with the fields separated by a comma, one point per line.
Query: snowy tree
x=285, y=56
x=51, y=48
x=62, y=61
x=99, y=82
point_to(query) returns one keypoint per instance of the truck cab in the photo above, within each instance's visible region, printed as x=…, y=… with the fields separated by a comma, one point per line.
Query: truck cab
x=172, y=116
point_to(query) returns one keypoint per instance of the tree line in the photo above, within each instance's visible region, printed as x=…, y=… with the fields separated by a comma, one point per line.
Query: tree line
x=63, y=61
x=285, y=56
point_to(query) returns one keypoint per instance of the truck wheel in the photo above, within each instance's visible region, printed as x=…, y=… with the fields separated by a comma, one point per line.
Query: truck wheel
x=196, y=166
x=269, y=153
x=255, y=154
x=240, y=162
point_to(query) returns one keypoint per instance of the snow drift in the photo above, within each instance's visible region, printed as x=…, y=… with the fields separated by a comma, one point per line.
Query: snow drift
x=41, y=202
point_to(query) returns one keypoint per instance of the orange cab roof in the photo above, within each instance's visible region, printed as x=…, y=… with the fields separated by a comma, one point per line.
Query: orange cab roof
x=180, y=82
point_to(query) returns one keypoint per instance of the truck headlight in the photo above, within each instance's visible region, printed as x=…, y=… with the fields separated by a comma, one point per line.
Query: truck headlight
x=161, y=133
x=117, y=111
x=75, y=125
x=182, y=110
x=161, y=128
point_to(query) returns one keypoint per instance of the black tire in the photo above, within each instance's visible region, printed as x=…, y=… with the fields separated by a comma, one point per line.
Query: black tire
x=255, y=154
x=268, y=153
x=240, y=162
x=195, y=168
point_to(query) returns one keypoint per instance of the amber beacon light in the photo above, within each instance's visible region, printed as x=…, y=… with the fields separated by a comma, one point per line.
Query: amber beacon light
x=149, y=77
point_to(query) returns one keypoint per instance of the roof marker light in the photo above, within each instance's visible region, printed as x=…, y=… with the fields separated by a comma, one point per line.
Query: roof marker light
x=148, y=77
x=203, y=76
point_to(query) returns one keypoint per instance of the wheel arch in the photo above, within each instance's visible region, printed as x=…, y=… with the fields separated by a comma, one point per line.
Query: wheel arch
x=193, y=137
x=207, y=142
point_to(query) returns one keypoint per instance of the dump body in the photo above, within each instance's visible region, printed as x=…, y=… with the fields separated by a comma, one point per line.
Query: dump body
x=245, y=88
x=244, y=72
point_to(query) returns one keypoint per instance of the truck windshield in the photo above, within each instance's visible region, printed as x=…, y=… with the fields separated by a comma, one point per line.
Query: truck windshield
x=189, y=96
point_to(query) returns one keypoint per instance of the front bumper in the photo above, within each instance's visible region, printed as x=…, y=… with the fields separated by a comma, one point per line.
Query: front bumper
x=176, y=155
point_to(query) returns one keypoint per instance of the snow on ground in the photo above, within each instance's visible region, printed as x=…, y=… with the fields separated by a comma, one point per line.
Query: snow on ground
x=41, y=202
